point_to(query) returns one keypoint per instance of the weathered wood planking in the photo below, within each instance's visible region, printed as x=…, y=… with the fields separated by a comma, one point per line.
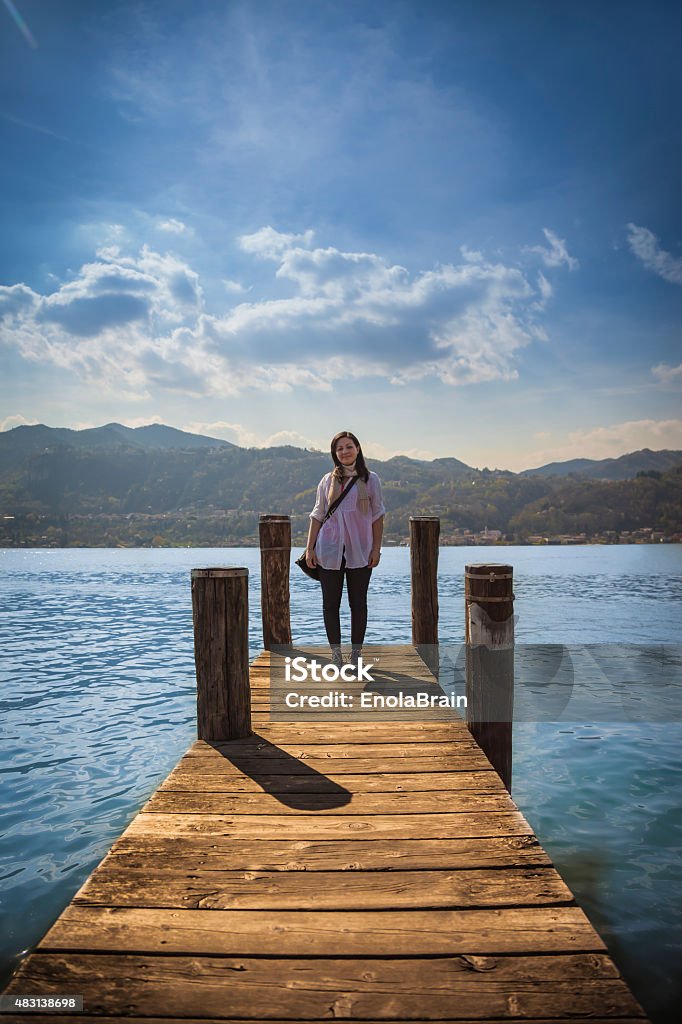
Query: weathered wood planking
x=381, y=750
x=75, y=1018
x=335, y=801
x=217, y=888
x=452, y=988
x=366, y=870
x=191, y=853
x=333, y=826
x=363, y=732
x=254, y=766
x=183, y=779
x=323, y=933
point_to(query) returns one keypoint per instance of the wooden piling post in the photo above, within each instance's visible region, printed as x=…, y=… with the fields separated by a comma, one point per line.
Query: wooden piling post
x=220, y=610
x=489, y=636
x=424, y=534
x=275, y=556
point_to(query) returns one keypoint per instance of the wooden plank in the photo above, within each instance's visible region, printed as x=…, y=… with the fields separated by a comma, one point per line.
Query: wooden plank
x=200, y=888
x=323, y=933
x=324, y=766
x=371, y=707
x=182, y=779
x=385, y=679
x=393, y=685
x=406, y=652
x=214, y=851
x=275, y=711
x=264, y=713
x=337, y=826
x=302, y=735
x=485, y=780
x=336, y=800
x=384, y=672
x=380, y=657
x=75, y=1018
x=321, y=747
x=430, y=989
x=364, y=732
x=264, y=657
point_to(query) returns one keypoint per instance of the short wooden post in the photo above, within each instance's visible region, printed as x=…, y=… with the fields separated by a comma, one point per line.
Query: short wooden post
x=275, y=556
x=220, y=609
x=489, y=636
x=424, y=534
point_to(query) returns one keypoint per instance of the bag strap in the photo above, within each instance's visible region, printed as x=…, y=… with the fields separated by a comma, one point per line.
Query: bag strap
x=333, y=507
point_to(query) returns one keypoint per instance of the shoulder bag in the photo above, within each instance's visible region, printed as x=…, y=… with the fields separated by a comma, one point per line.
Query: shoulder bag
x=314, y=573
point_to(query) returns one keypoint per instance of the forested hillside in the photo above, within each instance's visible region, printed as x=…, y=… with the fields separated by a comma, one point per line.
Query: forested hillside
x=169, y=488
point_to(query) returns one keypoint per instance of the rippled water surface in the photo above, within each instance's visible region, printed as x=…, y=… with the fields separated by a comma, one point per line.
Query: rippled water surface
x=98, y=704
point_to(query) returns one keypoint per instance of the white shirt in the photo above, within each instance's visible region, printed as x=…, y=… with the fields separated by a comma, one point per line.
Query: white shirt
x=347, y=526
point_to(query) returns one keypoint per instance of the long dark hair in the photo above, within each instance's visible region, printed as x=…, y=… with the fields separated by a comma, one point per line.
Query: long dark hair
x=360, y=465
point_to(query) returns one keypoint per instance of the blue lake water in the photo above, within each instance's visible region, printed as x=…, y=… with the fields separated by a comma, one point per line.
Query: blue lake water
x=98, y=698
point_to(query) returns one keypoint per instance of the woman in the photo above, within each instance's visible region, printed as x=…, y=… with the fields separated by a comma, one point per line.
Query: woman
x=349, y=542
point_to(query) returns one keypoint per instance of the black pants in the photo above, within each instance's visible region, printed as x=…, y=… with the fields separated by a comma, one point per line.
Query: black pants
x=357, y=582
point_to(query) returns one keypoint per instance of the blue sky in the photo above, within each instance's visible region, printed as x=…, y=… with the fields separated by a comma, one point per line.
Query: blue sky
x=453, y=228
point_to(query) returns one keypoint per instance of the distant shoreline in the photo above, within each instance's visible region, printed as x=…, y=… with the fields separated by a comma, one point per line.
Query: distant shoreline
x=294, y=546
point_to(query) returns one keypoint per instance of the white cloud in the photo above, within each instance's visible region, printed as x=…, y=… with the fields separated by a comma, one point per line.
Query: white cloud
x=668, y=375
x=246, y=438
x=16, y=300
x=288, y=437
x=223, y=430
x=235, y=287
x=544, y=287
x=611, y=441
x=113, y=323
x=471, y=255
x=171, y=225
x=17, y=420
x=646, y=248
x=556, y=254
x=271, y=244
x=138, y=324
x=373, y=450
x=353, y=314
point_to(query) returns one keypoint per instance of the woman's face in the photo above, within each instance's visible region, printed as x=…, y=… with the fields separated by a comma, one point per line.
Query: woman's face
x=346, y=451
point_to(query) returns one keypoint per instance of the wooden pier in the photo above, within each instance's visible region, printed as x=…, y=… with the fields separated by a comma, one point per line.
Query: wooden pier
x=371, y=869
x=374, y=871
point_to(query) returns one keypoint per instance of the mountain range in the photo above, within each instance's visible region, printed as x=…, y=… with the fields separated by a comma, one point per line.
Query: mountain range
x=155, y=484
x=23, y=441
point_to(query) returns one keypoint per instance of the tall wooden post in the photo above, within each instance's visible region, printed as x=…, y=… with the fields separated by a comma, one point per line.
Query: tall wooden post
x=489, y=635
x=275, y=556
x=220, y=609
x=424, y=534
